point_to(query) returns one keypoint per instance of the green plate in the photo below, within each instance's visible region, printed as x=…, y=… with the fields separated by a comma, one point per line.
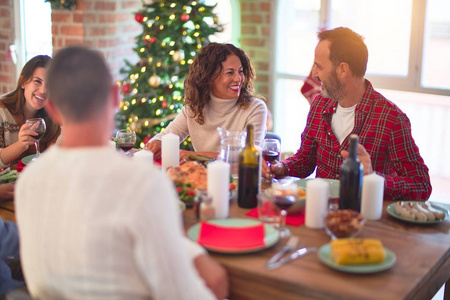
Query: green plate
x=26, y=160
x=390, y=209
x=270, y=234
x=325, y=258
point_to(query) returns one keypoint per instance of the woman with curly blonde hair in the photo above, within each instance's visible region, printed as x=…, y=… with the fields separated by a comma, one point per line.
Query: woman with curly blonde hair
x=218, y=93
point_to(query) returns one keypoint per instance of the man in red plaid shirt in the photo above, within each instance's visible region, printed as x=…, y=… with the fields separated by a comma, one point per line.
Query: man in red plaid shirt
x=349, y=104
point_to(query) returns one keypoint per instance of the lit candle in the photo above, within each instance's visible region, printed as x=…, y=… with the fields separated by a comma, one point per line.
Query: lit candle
x=170, y=150
x=372, y=196
x=218, y=187
x=317, y=193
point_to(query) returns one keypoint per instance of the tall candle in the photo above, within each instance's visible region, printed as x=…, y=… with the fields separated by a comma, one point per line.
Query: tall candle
x=372, y=196
x=170, y=150
x=218, y=187
x=145, y=156
x=317, y=193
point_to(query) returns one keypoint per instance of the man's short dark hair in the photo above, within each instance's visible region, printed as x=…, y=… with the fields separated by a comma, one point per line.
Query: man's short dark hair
x=347, y=46
x=78, y=82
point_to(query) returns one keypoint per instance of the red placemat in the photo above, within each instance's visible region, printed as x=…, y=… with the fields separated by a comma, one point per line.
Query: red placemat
x=216, y=236
x=294, y=220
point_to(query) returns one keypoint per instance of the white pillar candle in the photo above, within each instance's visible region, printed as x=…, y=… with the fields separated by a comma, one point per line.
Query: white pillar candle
x=170, y=150
x=145, y=156
x=317, y=193
x=218, y=187
x=372, y=196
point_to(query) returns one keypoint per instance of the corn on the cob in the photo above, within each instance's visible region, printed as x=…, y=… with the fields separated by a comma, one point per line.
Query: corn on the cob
x=357, y=251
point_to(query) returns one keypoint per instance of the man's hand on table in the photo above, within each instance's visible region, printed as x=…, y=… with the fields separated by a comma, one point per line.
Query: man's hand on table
x=213, y=274
x=155, y=147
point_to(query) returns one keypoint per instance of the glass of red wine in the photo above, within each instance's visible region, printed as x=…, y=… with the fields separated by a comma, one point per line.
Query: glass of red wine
x=283, y=202
x=39, y=127
x=271, y=151
x=125, y=139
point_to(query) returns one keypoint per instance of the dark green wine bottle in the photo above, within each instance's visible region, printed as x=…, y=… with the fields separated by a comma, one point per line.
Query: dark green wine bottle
x=350, y=176
x=248, y=185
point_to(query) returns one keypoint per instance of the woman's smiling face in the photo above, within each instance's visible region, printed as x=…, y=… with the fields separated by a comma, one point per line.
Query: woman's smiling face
x=35, y=91
x=228, y=83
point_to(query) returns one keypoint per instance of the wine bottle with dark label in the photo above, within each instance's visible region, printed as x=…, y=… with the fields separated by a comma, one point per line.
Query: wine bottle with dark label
x=248, y=185
x=350, y=176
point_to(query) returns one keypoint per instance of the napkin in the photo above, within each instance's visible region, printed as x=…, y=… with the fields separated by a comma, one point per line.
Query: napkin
x=20, y=166
x=216, y=236
x=294, y=220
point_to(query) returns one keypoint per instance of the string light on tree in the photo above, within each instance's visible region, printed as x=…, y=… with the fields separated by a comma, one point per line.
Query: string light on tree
x=178, y=55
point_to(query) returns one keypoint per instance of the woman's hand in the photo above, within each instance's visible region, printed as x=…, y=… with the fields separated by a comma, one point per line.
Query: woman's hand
x=155, y=147
x=184, y=156
x=26, y=135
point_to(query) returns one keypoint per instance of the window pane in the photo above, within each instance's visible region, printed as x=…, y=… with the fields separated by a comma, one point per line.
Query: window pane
x=386, y=26
x=436, y=58
x=224, y=13
x=297, y=26
x=290, y=113
x=38, y=28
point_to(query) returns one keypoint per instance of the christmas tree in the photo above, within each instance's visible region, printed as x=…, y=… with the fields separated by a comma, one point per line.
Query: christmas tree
x=153, y=91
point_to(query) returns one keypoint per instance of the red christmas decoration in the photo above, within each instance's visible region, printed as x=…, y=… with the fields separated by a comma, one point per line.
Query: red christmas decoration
x=184, y=17
x=152, y=39
x=164, y=104
x=146, y=139
x=139, y=17
x=126, y=88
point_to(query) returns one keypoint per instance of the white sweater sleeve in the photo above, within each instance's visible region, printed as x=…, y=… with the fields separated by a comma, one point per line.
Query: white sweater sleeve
x=178, y=126
x=258, y=118
x=163, y=258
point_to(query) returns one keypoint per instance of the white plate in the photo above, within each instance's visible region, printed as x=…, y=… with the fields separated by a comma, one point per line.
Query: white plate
x=271, y=235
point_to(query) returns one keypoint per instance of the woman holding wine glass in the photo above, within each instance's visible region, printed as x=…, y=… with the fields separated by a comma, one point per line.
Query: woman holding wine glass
x=27, y=101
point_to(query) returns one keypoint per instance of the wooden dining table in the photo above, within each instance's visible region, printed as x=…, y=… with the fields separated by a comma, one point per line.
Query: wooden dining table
x=421, y=268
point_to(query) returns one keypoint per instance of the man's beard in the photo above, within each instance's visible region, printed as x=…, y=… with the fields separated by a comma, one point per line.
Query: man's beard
x=333, y=88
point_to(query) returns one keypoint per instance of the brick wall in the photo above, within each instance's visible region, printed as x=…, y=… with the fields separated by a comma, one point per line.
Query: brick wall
x=256, y=40
x=106, y=25
x=7, y=68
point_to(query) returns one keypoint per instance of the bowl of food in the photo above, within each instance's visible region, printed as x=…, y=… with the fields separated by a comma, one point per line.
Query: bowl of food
x=343, y=223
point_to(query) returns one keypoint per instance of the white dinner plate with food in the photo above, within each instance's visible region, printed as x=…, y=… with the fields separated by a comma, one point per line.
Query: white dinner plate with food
x=324, y=255
x=271, y=234
x=407, y=218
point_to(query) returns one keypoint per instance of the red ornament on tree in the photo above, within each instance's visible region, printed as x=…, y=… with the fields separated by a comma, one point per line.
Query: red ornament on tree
x=139, y=17
x=126, y=88
x=152, y=39
x=184, y=17
x=164, y=104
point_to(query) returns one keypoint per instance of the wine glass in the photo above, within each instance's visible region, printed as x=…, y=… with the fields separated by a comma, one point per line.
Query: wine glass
x=271, y=151
x=39, y=127
x=283, y=201
x=125, y=139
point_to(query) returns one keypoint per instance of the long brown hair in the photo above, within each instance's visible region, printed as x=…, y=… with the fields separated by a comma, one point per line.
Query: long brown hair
x=205, y=68
x=15, y=100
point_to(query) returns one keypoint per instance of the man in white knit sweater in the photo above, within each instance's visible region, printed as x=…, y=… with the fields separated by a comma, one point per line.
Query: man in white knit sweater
x=94, y=224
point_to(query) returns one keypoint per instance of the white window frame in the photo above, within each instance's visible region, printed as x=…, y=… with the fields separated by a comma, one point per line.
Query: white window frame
x=410, y=83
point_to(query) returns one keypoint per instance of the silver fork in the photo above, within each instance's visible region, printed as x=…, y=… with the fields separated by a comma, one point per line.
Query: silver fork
x=290, y=245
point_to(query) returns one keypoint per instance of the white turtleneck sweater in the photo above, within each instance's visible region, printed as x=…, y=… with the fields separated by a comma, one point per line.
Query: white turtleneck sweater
x=218, y=113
